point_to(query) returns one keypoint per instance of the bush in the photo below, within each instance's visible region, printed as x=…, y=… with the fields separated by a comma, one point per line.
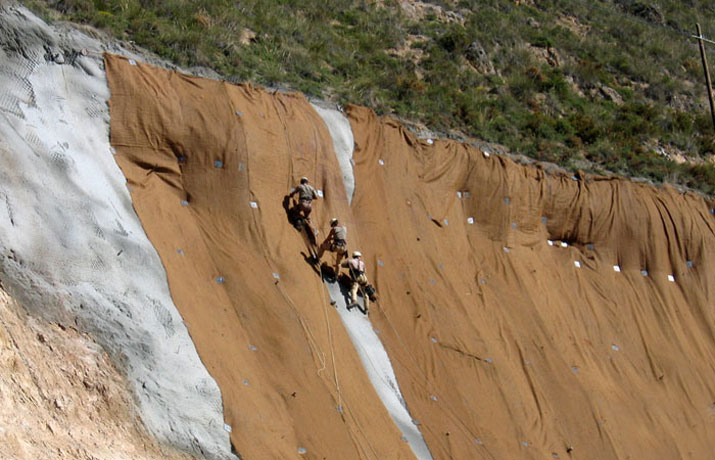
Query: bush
x=454, y=40
x=585, y=128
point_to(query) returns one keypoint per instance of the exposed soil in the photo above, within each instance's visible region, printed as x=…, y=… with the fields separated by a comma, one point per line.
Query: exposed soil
x=61, y=396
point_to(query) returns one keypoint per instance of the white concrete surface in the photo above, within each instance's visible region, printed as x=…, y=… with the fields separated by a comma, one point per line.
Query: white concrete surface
x=366, y=341
x=71, y=246
x=343, y=142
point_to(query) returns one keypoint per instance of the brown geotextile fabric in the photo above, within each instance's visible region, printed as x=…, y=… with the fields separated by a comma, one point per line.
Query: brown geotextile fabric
x=510, y=331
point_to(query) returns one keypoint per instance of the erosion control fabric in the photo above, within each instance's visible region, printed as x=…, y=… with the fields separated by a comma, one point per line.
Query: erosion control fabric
x=526, y=315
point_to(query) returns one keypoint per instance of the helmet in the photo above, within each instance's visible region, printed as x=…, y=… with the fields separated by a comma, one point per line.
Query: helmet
x=303, y=180
x=333, y=221
x=357, y=254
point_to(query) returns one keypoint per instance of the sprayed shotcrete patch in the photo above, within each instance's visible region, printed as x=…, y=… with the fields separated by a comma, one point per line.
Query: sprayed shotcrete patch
x=73, y=248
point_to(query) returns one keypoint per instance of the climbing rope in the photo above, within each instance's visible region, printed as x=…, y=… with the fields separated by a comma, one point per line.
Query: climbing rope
x=330, y=337
x=340, y=402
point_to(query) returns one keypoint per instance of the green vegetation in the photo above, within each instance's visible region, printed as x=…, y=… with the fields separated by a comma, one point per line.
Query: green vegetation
x=596, y=85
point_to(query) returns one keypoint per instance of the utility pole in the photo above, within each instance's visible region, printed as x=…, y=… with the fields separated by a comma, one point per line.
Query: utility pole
x=708, y=82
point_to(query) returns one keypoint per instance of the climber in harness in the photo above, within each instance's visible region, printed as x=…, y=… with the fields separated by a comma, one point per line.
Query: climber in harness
x=358, y=277
x=336, y=242
x=306, y=194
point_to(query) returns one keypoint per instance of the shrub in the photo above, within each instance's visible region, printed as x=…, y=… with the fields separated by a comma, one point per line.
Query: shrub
x=585, y=128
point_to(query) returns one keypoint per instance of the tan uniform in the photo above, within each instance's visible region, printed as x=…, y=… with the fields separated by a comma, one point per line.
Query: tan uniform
x=306, y=195
x=357, y=273
x=340, y=234
x=306, y=192
x=336, y=242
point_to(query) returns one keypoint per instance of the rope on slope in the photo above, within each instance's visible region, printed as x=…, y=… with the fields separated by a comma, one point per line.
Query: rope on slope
x=357, y=424
x=309, y=332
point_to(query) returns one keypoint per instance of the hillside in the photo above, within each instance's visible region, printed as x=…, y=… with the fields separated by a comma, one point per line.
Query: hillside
x=524, y=312
x=602, y=86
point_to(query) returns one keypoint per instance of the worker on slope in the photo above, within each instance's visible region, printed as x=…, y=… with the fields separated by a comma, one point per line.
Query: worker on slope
x=359, y=280
x=306, y=195
x=336, y=242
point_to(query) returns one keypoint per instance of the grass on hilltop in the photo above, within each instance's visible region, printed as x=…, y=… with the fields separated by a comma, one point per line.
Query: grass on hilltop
x=347, y=52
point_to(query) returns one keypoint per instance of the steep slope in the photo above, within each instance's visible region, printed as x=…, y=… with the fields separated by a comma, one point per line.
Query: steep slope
x=511, y=310
x=364, y=337
x=526, y=315
x=208, y=164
